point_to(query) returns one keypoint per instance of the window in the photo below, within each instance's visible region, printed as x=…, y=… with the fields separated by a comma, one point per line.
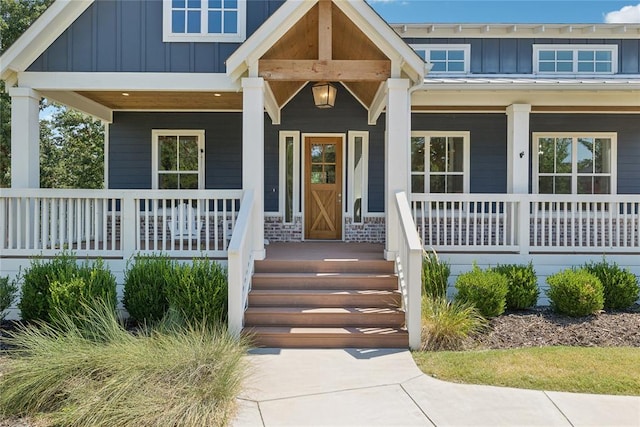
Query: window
x=358, y=175
x=290, y=175
x=178, y=159
x=452, y=58
x=575, y=163
x=440, y=162
x=575, y=59
x=204, y=20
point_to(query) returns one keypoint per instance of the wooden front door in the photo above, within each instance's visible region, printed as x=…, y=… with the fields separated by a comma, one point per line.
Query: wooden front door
x=323, y=188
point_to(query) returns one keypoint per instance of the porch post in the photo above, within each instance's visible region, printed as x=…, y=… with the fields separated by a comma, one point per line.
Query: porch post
x=398, y=155
x=25, y=138
x=253, y=155
x=518, y=148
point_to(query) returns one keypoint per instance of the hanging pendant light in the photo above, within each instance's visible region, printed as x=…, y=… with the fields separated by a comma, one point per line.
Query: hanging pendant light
x=324, y=94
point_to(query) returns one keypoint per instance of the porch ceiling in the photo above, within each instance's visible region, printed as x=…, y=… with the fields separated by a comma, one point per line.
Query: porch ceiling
x=155, y=100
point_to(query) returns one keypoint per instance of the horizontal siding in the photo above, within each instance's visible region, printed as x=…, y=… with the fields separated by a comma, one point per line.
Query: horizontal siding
x=126, y=36
x=515, y=56
x=130, y=147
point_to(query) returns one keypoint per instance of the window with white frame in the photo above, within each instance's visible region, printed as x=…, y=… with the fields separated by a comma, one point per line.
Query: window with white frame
x=178, y=159
x=448, y=58
x=290, y=175
x=358, y=175
x=575, y=59
x=440, y=162
x=575, y=163
x=204, y=20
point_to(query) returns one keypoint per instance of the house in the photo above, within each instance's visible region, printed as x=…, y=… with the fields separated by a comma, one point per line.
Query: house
x=488, y=143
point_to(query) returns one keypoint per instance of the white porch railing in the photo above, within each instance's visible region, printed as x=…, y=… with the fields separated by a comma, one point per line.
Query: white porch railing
x=524, y=223
x=240, y=266
x=117, y=223
x=409, y=268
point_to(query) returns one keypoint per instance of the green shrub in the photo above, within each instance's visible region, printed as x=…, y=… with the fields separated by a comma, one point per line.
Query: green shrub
x=34, y=302
x=522, y=283
x=8, y=291
x=435, y=275
x=199, y=292
x=621, y=288
x=485, y=290
x=145, y=282
x=575, y=292
x=447, y=325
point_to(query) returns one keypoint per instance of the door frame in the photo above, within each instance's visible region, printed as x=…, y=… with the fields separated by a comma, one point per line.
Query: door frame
x=303, y=183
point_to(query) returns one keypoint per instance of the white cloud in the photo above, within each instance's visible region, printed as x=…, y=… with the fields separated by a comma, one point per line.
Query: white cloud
x=626, y=15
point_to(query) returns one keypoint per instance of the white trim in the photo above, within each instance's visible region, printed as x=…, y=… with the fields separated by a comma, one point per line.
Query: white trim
x=283, y=174
x=199, y=133
x=613, y=136
x=352, y=135
x=204, y=35
x=303, y=142
x=427, y=48
x=575, y=48
x=79, y=102
x=106, y=154
x=466, y=173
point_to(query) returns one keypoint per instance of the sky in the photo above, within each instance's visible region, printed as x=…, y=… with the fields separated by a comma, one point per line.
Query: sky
x=508, y=11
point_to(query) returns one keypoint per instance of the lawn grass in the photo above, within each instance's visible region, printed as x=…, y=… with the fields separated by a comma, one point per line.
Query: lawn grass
x=612, y=370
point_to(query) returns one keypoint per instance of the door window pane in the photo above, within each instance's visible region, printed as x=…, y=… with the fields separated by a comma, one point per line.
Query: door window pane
x=417, y=154
x=167, y=159
x=438, y=154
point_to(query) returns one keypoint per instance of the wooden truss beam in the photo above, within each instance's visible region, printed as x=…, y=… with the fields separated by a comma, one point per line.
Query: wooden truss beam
x=323, y=70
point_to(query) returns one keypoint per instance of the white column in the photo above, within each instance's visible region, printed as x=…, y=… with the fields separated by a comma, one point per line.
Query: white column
x=25, y=138
x=518, y=148
x=398, y=156
x=253, y=155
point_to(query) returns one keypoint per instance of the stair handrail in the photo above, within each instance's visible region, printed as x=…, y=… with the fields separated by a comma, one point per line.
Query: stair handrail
x=409, y=268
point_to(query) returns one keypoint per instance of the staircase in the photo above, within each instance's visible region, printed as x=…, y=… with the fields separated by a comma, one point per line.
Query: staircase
x=318, y=303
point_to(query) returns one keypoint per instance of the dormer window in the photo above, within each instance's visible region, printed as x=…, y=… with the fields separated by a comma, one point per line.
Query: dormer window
x=575, y=59
x=204, y=20
x=448, y=58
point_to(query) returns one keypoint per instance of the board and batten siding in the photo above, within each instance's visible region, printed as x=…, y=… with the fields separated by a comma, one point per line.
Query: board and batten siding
x=126, y=36
x=302, y=115
x=130, y=147
x=515, y=56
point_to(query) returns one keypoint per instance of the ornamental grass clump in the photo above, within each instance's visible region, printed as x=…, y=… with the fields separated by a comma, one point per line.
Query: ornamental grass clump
x=575, y=293
x=486, y=290
x=621, y=288
x=446, y=325
x=90, y=371
x=522, y=284
x=435, y=275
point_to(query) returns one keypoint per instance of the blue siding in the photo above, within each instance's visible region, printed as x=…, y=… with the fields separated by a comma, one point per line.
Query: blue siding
x=126, y=36
x=130, y=147
x=515, y=56
x=488, y=145
x=627, y=127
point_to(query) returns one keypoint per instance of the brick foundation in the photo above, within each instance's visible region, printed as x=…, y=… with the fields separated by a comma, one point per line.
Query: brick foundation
x=371, y=231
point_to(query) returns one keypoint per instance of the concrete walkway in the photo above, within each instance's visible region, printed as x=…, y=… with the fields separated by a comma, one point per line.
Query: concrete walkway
x=385, y=388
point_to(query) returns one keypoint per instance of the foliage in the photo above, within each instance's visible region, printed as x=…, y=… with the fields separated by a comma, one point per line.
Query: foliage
x=446, y=325
x=91, y=371
x=199, y=292
x=568, y=369
x=8, y=291
x=621, y=288
x=523, y=285
x=575, y=293
x=145, y=283
x=435, y=275
x=485, y=290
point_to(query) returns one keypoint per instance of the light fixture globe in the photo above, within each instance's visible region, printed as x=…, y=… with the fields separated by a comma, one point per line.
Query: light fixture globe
x=324, y=94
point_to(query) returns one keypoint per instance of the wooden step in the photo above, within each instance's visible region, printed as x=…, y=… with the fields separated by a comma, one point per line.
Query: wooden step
x=324, y=298
x=325, y=266
x=325, y=317
x=351, y=281
x=283, y=337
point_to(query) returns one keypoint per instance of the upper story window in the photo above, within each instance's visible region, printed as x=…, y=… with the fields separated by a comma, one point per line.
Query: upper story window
x=204, y=20
x=440, y=162
x=448, y=58
x=575, y=59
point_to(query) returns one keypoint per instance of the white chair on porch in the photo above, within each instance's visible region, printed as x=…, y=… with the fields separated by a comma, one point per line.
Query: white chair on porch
x=184, y=222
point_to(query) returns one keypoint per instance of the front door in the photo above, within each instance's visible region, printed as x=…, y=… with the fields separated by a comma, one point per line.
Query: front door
x=323, y=188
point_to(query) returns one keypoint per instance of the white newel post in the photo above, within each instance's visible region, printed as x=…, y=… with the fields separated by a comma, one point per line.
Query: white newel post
x=398, y=155
x=518, y=161
x=25, y=138
x=253, y=155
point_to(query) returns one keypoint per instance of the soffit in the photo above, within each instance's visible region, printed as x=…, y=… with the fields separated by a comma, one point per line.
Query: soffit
x=167, y=100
